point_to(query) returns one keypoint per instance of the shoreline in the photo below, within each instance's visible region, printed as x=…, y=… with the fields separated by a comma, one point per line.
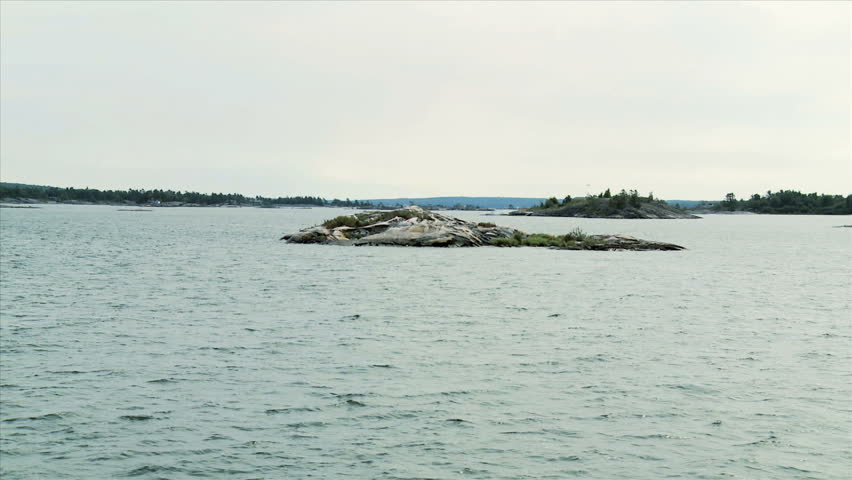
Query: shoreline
x=13, y=202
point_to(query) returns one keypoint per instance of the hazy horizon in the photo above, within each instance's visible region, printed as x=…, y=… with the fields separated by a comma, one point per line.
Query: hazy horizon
x=419, y=99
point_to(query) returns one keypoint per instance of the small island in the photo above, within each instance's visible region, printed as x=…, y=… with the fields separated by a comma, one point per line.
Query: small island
x=606, y=205
x=416, y=227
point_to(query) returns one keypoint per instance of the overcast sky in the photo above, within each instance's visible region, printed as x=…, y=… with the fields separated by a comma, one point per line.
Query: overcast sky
x=365, y=100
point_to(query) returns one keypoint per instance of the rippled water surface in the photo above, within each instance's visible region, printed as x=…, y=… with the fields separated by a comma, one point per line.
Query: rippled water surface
x=191, y=343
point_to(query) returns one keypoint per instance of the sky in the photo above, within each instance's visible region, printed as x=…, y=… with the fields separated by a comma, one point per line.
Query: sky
x=690, y=100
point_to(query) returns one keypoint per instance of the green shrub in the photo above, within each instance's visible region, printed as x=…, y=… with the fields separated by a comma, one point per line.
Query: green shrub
x=541, y=240
x=505, y=242
x=341, y=221
x=576, y=235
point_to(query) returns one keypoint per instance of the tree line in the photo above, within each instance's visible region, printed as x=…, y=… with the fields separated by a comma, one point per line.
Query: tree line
x=789, y=202
x=620, y=200
x=147, y=197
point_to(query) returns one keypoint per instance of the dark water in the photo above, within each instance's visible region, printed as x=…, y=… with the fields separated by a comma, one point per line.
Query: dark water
x=191, y=343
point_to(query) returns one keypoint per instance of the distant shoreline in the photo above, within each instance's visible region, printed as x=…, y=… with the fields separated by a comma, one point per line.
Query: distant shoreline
x=34, y=202
x=24, y=202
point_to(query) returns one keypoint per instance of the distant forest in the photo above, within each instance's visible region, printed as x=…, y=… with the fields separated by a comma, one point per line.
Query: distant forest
x=789, y=202
x=147, y=197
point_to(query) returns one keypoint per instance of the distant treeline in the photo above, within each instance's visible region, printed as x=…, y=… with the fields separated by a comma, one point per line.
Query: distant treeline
x=145, y=197
x=789, y=202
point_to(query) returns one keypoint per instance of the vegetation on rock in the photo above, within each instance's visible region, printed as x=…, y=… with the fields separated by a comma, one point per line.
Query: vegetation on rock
x=575, y=239
x=361, y=220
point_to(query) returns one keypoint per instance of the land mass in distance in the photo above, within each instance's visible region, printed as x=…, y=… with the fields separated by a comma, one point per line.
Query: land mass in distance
x=605, y=204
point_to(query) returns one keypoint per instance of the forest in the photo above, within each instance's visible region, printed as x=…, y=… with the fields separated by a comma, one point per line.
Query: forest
x=158, y=196
x=788, y=202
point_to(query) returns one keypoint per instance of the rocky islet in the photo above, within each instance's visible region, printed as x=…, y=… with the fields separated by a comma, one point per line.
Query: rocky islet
x=416, y=227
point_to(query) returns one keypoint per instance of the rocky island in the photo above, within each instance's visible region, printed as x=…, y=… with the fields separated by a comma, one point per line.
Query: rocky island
x=416, y=227
x=606, y=205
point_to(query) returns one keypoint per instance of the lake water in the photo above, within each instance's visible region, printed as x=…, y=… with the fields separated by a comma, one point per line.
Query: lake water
x=192, y=343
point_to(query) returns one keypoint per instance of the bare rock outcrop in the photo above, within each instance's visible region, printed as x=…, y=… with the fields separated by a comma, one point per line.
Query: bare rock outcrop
x=409, y=227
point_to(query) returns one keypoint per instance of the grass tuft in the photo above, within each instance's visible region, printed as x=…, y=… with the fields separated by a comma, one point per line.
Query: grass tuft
x=569, y=240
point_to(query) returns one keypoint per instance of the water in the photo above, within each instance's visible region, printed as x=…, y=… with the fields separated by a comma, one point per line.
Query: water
x=191, y=343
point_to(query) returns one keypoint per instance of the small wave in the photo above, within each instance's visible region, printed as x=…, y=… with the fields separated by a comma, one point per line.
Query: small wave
x=355, y=403
x=546, y=362
x=816, y=355
x=275, y=411
x=47, y=416
x=593, y=358
x=349, y=395
x=450, y=393
x=457, y=392
x=400, y=414
x=146, y=469
x=204, y=451
x=163, y=380
x=244, y=428
x=561, y=433
x=457, y=420
x=833, y=335
x=649, y=457
x=223, y=349
x=306, y=424
x=136, y=418
x=569, y=458
x=794, y=469
x=689, y=388
x=772, y=439
x=473, y=471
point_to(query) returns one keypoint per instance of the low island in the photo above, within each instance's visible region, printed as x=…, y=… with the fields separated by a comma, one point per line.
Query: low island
x=607, y=205
x=416, y=227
